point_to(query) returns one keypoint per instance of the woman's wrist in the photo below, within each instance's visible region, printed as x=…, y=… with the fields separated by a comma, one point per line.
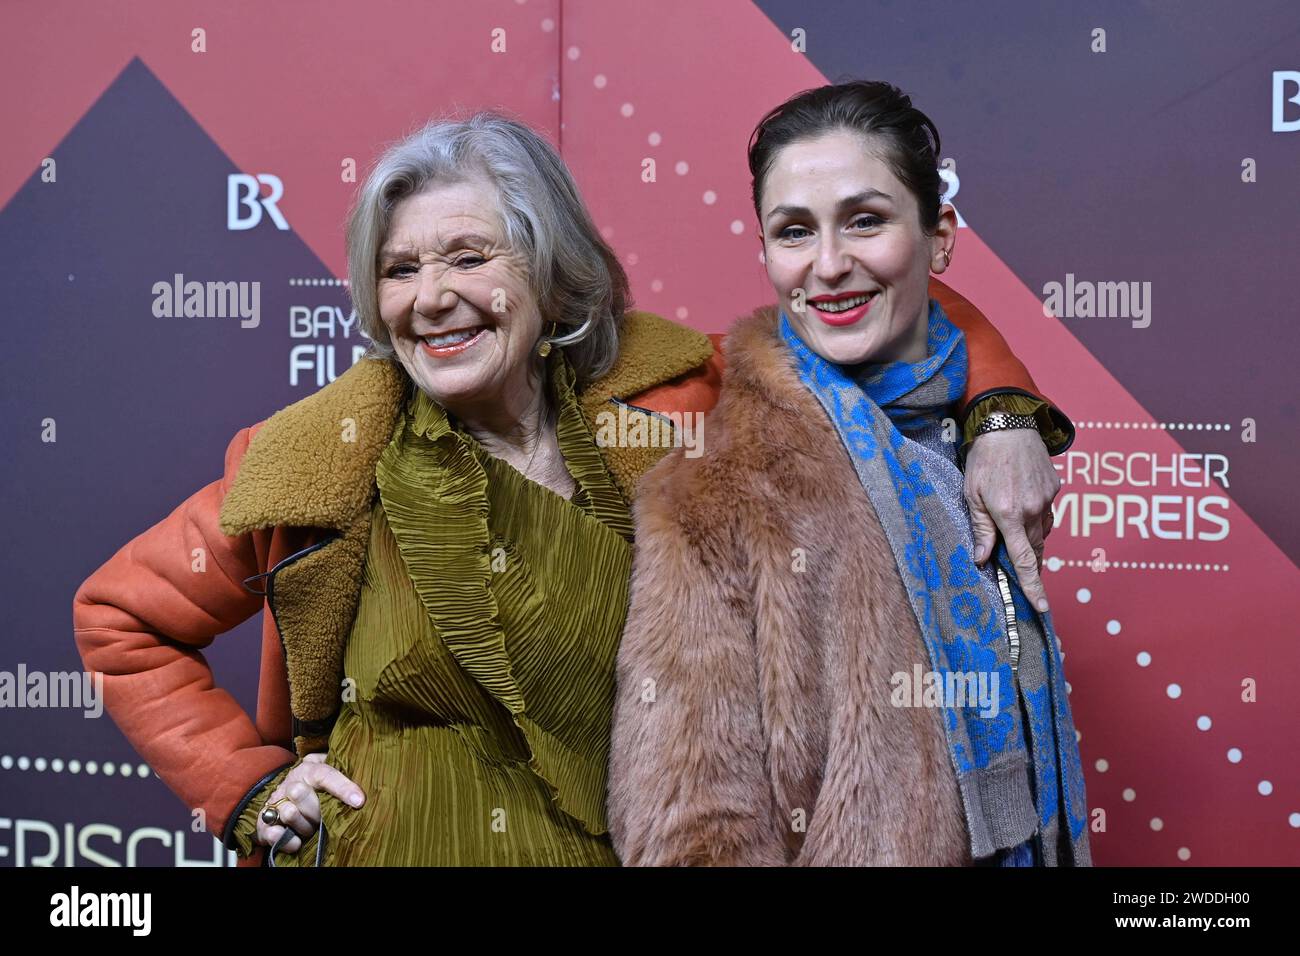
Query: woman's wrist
x=1053, y=427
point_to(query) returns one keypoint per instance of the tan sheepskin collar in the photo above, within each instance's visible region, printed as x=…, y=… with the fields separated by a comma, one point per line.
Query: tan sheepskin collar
x=313, y=463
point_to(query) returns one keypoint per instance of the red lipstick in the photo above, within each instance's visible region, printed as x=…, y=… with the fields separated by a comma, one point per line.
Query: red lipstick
x=847, y=317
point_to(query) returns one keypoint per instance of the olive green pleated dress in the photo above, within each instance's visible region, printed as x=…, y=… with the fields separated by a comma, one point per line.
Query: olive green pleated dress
x=483, y=656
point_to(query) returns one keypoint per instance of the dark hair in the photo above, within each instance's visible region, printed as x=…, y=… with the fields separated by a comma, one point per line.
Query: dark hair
x=870, y=107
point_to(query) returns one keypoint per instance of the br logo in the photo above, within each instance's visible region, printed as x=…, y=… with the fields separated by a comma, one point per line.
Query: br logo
x=1281, y=79
x=244, y=192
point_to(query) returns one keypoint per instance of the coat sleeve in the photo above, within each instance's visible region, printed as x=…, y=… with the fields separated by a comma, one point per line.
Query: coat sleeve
x=992, y=363
x=141, y=620
x=688, y=784
x=994, y=371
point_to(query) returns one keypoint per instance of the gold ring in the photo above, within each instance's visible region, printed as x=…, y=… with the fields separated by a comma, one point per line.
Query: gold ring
x=270, y=815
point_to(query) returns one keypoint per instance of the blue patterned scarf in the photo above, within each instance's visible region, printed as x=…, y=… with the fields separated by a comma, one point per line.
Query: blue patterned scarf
x=1018, y=768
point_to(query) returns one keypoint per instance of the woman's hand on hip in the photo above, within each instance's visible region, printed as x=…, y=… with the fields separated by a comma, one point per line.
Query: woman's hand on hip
x=1010, y=487
x=297, y=803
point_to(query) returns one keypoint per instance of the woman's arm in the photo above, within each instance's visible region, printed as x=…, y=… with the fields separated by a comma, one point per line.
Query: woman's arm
x=996, y=378
x=1010, y=481
x=141, y=620
x=687, y=784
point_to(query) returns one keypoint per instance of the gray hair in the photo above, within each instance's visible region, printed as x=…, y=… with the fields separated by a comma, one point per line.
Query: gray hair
x=575, y=276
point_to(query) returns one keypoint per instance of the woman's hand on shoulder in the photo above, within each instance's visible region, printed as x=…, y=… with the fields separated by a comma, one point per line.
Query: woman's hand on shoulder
x=299, y=807
x=1010, y=487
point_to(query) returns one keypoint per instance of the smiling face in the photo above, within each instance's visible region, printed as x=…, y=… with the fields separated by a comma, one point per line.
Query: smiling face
x=457, y=302
x=840, y=228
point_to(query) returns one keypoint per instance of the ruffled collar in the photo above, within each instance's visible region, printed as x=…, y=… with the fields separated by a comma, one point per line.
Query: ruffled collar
x=433, y=485
x=596, y=492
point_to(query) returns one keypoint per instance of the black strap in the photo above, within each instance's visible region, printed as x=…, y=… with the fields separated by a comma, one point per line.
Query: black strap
x=315, y=728
x=289, y=834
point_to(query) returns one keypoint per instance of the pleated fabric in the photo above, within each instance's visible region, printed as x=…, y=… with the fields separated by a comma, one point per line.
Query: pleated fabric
x=483, y=655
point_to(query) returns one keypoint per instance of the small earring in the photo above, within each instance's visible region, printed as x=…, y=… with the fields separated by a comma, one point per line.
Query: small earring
x=544, y=348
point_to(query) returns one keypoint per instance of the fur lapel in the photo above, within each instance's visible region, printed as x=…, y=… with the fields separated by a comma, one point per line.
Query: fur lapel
x=771, y=631
x=312, y=465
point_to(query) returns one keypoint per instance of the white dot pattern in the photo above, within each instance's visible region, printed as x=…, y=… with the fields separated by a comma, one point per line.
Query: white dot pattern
x=58, y=765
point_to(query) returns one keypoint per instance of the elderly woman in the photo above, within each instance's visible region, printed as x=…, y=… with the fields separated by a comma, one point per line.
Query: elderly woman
x=441, y=550
x=827, y=676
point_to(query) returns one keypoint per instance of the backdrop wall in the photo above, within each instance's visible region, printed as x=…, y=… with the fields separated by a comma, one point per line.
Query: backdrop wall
x=1151, y=145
